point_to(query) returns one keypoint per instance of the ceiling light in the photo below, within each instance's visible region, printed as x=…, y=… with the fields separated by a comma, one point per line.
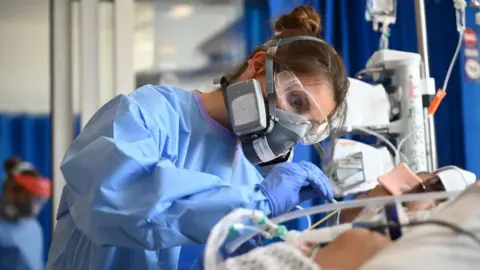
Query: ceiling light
x=166, y=50
x=180, y=11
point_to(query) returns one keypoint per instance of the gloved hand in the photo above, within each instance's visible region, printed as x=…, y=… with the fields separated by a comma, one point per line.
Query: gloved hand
x=289, y=184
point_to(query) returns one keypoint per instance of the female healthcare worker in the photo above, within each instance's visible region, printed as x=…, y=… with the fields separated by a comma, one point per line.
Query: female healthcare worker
x=156, y=169
x=24, y=194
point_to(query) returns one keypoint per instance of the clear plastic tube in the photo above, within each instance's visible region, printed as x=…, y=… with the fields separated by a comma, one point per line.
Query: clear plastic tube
x=378, y=136
x=220, y=233
x=360, y=203
x=454, y=60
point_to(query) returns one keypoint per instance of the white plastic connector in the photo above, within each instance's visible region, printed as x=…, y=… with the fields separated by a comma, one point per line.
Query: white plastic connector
x=257, y=216
x=268, y=226
x=460, y=6
x=428, y=86
x=375, y=26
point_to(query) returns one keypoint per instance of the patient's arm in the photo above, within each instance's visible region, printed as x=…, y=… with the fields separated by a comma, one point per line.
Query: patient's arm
x=348, y=252
x=351, y=249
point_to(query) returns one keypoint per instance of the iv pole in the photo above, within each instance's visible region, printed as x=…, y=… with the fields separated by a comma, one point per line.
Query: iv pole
x=431, y=144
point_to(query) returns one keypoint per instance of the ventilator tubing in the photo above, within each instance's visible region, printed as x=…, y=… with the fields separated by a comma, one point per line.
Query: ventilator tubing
x=360, y=203
x=220, y=232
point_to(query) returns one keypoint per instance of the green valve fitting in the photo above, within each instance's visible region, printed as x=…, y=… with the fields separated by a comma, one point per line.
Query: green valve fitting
x=232, y=230
x=262, y=221
x=280, y=231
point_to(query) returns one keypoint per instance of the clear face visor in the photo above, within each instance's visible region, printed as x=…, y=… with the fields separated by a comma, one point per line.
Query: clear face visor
x=40, y=187
x=293, y=97
x=38, y=204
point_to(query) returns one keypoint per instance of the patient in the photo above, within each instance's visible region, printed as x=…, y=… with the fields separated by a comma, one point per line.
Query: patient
x=367, y=250
x=426, y=246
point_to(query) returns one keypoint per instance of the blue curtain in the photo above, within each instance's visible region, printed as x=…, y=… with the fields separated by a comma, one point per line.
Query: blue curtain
x=256, y=23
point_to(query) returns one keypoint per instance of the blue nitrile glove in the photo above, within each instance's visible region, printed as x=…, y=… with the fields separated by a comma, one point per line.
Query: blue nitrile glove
x=289, y=184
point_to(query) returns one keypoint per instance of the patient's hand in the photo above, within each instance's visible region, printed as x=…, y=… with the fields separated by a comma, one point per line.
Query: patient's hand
x=348, y=215
x=351, y=249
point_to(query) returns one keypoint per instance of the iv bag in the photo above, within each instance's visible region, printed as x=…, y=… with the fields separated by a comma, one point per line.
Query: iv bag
x=381, y=11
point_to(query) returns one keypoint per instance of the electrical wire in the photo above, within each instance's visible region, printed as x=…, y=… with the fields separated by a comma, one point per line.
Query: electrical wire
x=402, y=142
x=323, y=219
x=395, y=150
x=379, y=136
x=309, y=220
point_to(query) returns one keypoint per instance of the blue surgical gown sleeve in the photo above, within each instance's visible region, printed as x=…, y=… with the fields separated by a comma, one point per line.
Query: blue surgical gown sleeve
x=21, y=245
x=122, y=191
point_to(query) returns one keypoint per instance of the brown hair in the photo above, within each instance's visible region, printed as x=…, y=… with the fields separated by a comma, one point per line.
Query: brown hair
x=307, y=57
x=12, y=164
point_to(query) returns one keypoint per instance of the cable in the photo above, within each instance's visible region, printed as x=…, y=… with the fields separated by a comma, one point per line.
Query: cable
x=379, y=136
x=452, y=64
x=382, y=138
x=323, y=220
x=402, y=142
x=309, y=220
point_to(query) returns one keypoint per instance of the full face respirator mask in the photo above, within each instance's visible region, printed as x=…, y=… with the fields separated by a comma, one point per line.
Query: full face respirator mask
x=265, y=129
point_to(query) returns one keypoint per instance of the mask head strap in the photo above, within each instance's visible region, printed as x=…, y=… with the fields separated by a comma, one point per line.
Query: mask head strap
x=270, y=69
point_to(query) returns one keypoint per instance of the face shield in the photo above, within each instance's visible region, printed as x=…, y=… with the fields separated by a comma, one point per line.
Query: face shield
x=39, y=187
x=296, y=99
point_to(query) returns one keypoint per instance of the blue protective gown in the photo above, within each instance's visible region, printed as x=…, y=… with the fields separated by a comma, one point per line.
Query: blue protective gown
x=150, y=172
x=21, y=245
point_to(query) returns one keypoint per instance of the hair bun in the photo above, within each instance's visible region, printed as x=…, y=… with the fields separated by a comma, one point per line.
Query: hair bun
x=11, y=164
x=303, y=18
